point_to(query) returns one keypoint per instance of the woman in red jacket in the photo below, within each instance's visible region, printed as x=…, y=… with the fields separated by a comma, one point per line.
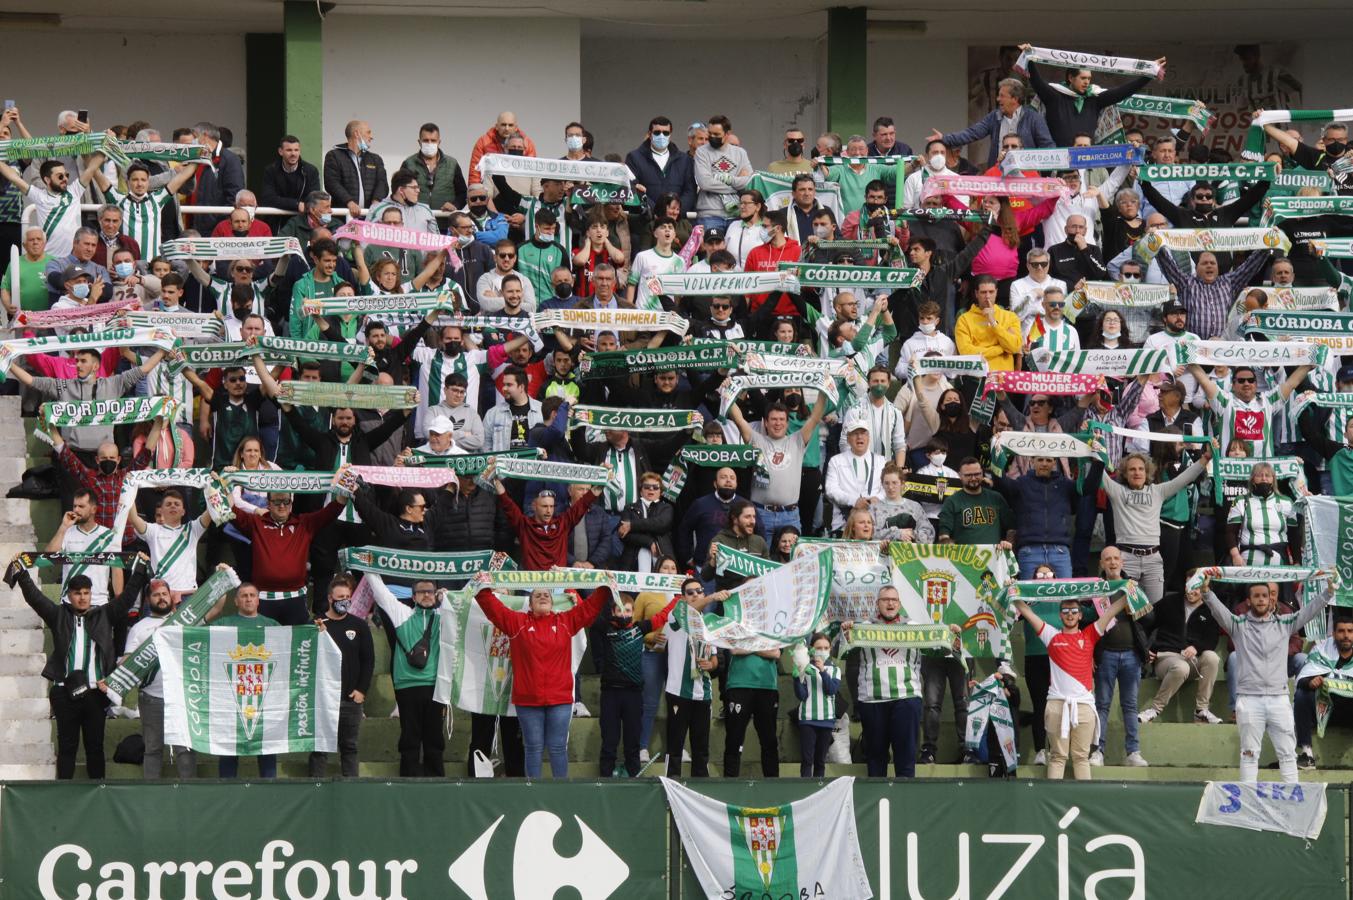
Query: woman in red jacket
x=541, y=647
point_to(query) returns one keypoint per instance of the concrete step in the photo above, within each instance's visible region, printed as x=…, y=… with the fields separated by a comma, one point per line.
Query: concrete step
x=30, y=754
x=23, y=731
x=22, y=663
x=22, y=687
x=16, y=513
x=21, y=640
x=33, y=708
x=31, y=772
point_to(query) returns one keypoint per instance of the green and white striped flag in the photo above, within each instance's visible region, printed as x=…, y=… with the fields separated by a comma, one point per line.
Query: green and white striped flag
x=233, y=690
x=807, y=848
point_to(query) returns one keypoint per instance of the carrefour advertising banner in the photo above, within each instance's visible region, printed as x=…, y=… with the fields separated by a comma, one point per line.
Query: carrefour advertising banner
x=508, y=840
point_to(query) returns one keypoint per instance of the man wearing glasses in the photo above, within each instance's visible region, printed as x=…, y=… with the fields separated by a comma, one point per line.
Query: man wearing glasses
x=280, y=542
x=489, y=288
x=1051, y=329
x=1026, y=294
x=1246, y=414
x=658, y=169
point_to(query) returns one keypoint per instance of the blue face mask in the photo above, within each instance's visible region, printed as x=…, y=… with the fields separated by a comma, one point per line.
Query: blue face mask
x=363, y=146
x=660, y=141
x=124, y=269
x=80, y=290
x=325, y=219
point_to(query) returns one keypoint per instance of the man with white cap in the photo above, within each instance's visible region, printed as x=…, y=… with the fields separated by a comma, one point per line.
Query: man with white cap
x=855, y=477
x=441, y=438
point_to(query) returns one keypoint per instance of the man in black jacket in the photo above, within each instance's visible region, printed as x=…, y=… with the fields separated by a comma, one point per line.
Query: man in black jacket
x=218, y=183
x=82, y=655
x=1076, y=259
x=1185, y=648
x=476, y=256
x=659, y=169
x=353, y=639
x=288, y=180
x=353, y=175
x=465, y=518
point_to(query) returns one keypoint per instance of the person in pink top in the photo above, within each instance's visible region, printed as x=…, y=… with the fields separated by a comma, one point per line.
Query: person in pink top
x=1070, y=717
x=64, y=366
x=999, y=257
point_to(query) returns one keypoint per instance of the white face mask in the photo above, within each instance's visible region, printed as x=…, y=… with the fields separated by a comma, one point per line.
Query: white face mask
x=429, y=149
x=822, y=232
x=1112, y=335
x=937, y=459
x=821, y=655
x=937, y=162
x=927, y=327
x=250, y=210
x=574, y=142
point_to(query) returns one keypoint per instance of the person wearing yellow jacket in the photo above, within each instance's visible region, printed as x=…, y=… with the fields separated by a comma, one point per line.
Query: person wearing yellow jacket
x=988, y=330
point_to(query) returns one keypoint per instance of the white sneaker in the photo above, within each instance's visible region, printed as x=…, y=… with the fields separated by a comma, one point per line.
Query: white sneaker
x=1147, y=715
x=643, y=756
x=1206, y=717
x=1096, y=758
x=580, y=711
x=1135, y=759
x=1041, y=758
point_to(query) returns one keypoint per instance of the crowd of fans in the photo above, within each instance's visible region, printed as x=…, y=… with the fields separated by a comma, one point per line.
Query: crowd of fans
x=904, y=455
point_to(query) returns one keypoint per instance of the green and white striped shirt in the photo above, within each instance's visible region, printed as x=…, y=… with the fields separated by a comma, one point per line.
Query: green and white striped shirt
x=1254, y=421
x=889, y=673
x=820, y=706
x=82, y=655
x=684, y=680
x=623, y=488
x=1263, y=521
x=141, y=219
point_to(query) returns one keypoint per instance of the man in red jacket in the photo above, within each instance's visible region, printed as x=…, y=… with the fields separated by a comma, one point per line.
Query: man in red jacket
x=767, y=258
x=280, y=540
x=495, y=141
x=540, y=642
x=544, y=539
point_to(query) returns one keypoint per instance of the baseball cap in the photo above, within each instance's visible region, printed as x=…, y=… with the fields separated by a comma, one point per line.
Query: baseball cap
x=858, y=421
x=713, y=234
x=440, y=425
x=1172, y=306
x=74, y=271
x=1345, y=374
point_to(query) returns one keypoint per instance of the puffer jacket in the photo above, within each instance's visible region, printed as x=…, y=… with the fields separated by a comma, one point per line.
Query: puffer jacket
x=459, y=523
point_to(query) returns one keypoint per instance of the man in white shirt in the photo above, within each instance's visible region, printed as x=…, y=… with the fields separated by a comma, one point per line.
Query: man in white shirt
x=888, y=431
x=172, y=542
x=1176, y=330
x=935, y=164
x=855, y=477
x=57, y=199
x=1082, y=200
x=79, y=532
x=489, y=288
x=1026, y=294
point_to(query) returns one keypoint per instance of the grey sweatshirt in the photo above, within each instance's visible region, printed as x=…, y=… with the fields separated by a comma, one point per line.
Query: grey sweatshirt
x=1136, y=514
x=1261, y=644
x=87, y=437
x=714, y=196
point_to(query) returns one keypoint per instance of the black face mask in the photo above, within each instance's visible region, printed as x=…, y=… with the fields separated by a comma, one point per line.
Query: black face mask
x=716, y=143
x=563, y=291
x=479, y=208
x=725, y=494
x=1261, y=490
x=107, y=466
x=516, y=153
x=793, y=401
x=952, y=410
x=875, y=207
x=1335, y=148
x=794, y=148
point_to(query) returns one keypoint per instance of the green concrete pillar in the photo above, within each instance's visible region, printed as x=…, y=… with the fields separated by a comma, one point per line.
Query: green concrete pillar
x=847, y=50
x=302, y=34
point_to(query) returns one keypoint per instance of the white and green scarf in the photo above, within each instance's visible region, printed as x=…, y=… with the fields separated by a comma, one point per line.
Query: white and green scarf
x=704, y=356
x=438, y=566
x=1215, y=240
x=820, y=275
x=921, y=636
x=198, y=326
x=319, y=350
x=124, y=411
x=1104, y=362
x=1280, y=209
x=1095, y=62
x=231, y=248
x=277, y=481
x=737, y=385
x=952, y=366
x=612, y=320
x=724, y=284
x=1255, y=138
x=731, y=561
x=989, y=706
x=421, y=301
x=522, y=469
x=11, y=351
x=355, y=396
x=637, y=420
x=58, y=145
x=1168, y=108
x=218, y=505
x=1248, y=171
x=1255, y=574
x=1115, y=293
x=468, y=463
x=1254, y=353
x=734, y=456
x=554, y=169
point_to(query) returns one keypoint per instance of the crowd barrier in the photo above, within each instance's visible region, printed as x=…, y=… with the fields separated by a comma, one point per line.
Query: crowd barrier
x=495, y=840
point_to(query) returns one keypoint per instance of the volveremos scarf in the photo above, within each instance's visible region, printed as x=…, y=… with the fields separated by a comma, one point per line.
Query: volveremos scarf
x=1059, y=383
x=231, y=248
x=1168, y=108
x=639, y=420
x=1104, y=362
x=1250, y=171
x=79, y=317
x=11, y=351
x=421, y=301
x=815, y=275
x=718, y=355
x=991, y=186
x=736, y=385
x=1280, y=209
x=1111, y=293
x=612, y=320
x=1056, y=159
x=720, y=284
x=356, y=396
x=544, y=470
x=1095, y=62
x=1254, y=353
x=555, y=169
x=141, y=664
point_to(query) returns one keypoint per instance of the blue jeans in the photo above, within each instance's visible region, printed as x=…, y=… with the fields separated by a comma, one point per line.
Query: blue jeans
x=545, y=728
x=769, y=520
x=1119, y=667
x=655, y=678
x=890, y=725
x=1031, y=556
